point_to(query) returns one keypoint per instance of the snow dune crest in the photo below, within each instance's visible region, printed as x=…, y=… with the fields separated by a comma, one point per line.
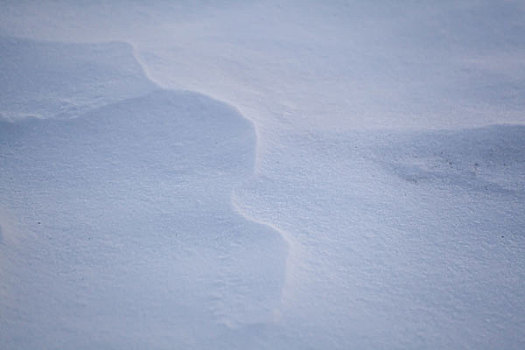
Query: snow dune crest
x=292, y=256
x=141, y=217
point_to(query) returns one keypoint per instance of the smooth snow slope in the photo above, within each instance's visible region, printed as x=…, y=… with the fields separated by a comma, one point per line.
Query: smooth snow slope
x=377, y=203
x=401, y=239
x=315, y=64
x=51, y=80
x=129, y=230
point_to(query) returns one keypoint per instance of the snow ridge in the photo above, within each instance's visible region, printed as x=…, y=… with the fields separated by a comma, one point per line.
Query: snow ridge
x=144, y=217
x=238, y=205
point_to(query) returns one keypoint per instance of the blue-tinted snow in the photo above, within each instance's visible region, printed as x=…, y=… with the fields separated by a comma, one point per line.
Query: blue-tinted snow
x=130, y=222
x=52, y=80
x=375, y=202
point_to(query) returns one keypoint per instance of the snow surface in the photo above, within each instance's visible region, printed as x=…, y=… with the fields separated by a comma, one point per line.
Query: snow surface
x=262, y=175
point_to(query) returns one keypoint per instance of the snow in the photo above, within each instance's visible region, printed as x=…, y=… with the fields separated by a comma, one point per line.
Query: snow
x=137, y=193
x=65, y=80
x=262, y=175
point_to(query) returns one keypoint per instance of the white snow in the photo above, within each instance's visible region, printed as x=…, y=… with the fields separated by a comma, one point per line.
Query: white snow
x=262, y=175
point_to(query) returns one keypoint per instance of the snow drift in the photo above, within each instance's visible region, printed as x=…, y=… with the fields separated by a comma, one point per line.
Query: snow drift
x=268, y=175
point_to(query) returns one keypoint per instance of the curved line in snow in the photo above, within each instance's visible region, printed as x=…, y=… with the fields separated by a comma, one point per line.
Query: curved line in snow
x=293, y=251
x=293, y=248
